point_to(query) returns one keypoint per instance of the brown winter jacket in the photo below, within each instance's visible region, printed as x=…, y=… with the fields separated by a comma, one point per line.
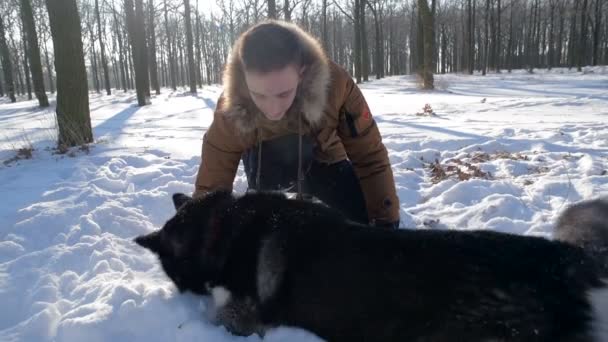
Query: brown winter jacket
x=334, y=113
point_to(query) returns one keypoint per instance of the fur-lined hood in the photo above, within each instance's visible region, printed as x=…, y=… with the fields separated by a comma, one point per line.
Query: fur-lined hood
x=311, y=97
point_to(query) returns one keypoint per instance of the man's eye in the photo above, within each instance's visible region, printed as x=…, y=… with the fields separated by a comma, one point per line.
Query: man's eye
x=284, y=95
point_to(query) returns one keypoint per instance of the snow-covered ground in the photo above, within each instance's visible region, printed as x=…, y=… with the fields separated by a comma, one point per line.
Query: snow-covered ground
x=505, y=152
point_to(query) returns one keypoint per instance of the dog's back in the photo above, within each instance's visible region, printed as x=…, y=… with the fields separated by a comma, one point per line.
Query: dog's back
x=368, y=284
x=585, y=224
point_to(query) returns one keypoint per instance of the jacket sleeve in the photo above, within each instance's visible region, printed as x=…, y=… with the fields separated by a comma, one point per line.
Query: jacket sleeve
x=363, y=144
x=220, y=157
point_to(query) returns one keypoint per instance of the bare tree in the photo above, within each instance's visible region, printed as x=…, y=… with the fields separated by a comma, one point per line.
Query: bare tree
x=324, y=37
x=26, y=68
x=572, y=60
x=104, y=63
x=118, y=31
x=582, y=40
x=189, y=43
x=152, y=47
x=597, y=27
x=170, y=49
x=427, y=36
x=7, y=66
x=379, y=56
x=470, y=48
x=364, y=47
x=358, y=40
x=272, y=9
x=486, y=39
x=137, y=37
x=34, y=52
x=73, y=117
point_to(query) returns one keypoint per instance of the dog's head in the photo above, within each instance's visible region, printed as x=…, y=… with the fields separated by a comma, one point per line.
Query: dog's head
x=188, y=244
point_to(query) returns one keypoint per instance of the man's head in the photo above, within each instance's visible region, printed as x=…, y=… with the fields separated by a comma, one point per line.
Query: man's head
x=273, y=64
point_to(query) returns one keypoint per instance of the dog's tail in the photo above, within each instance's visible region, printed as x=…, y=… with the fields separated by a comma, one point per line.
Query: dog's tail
x=585, y=224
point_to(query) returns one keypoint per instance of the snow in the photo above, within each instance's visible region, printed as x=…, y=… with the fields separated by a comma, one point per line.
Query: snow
x=69, y=270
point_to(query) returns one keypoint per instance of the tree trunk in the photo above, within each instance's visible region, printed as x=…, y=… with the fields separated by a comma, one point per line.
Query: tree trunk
x=170, y=52
x=551, y=52
x=559, y=52
x=486, y=39
x=286, y=10
x=7, y=67
x=427, y=36
x=121, y=59
x=26, y=67
x=418, y=56
x=509, y=60
x=49, y=69
x=152, y=48
x=537, y=35
x=434, y=37
x=137, y=37
x=470, y=39
x=33, y=51
x=93, y=57
x=529, y=40
x=182, y=64
x=73, y=117
x=104, y=63
x=364, y=47
x=378, y=58
x=596, y=31
x=324, y=36
x=20, y=80
x=582, y=41
x=571, y=42
x=189, y=47
x=499, y=39
x=357, y=43
x=198, y=52
x=543, y=44
x=272, y=9
x=444, y=50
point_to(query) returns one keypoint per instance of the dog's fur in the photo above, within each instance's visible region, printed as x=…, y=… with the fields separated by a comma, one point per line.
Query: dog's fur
x=268, y=261
x=585, y=224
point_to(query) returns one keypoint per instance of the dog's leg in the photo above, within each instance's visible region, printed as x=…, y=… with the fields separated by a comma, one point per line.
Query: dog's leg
x=239, y=316
x=599, y=302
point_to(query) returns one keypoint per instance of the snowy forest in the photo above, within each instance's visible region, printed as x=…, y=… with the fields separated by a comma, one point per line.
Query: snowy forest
x=171, y=43
x=493, y=116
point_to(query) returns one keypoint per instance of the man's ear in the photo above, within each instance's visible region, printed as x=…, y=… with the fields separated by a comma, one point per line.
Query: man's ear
x=179, y=199
x=150, y=241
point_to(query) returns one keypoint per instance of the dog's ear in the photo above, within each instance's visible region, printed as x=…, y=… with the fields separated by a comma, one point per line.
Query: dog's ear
x=150, y=241
x=179, y=199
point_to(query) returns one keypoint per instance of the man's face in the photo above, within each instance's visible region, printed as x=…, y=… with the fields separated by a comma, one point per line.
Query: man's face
x=273, y=92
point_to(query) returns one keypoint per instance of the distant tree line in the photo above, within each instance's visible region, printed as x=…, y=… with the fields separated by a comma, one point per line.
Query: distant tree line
x=150, y=44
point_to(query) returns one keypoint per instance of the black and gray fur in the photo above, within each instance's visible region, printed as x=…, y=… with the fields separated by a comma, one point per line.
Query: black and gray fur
x=269, y=261
x=585, y=224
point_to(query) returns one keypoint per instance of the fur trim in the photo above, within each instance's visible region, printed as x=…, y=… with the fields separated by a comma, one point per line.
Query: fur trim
x=310, y=99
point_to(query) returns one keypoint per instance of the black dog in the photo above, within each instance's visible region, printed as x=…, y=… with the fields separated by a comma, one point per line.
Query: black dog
x=268, y=261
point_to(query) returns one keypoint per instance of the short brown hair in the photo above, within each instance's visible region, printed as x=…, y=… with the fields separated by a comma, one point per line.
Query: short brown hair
x=270, y=46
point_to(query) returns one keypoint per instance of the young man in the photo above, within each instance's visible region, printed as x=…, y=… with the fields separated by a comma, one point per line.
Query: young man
x=299, y=123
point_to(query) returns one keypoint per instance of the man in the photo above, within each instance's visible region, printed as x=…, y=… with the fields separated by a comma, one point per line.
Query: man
x=299, y=123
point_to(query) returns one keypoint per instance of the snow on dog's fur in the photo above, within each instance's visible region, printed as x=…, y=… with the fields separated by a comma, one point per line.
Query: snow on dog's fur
x=270, y=261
